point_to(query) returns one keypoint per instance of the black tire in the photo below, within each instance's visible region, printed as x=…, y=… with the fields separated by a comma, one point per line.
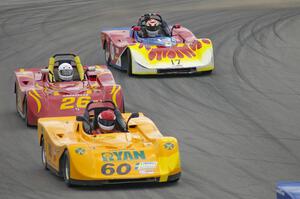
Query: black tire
x=43, y=155
x=66, y=169
x=107, y=54
x=17, y=98
x=175, y=180
x=123, y=103
x=129, y=69
x=25, y=112
x=208, y=72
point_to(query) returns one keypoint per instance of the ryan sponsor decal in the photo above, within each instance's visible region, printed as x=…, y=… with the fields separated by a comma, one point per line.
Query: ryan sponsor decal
x=123, y=156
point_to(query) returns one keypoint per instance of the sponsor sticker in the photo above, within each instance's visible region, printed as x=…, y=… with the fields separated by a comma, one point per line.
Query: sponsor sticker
x=80, y=151
x=145, y=167
x=169, y=146
x=123, y=156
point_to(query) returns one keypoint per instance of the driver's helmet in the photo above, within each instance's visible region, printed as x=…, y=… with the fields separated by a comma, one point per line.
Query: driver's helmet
x=65, y=72
x=107, y=120
x=152, y=27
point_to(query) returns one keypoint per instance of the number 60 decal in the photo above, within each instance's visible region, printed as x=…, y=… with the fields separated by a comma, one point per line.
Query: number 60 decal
x=109, y=169
x=69, y=102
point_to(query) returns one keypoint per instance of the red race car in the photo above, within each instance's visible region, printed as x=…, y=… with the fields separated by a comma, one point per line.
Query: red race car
x=64, y=88
x=152, y=47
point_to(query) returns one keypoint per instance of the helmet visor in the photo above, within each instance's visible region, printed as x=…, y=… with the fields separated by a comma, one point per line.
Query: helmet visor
x=66, y=72
x=107, y=122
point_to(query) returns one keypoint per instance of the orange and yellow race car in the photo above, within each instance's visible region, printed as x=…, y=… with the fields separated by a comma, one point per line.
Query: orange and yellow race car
x=135, y=152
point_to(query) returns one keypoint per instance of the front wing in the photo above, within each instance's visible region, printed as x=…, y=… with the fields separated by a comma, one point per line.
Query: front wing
x=158, y=164
x=180, y=59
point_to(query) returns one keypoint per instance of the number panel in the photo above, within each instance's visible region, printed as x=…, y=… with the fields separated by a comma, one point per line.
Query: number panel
x=175, y=61
x=67, y=103
x=110, y=169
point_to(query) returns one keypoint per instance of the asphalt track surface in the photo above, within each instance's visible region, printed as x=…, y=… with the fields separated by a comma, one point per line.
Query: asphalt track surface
x=238, y=128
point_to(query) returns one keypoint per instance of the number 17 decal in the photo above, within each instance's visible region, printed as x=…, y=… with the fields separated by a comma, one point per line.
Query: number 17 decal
x=175, y=61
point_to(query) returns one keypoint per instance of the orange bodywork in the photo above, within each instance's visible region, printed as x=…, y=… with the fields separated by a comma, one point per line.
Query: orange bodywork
x=141, y=153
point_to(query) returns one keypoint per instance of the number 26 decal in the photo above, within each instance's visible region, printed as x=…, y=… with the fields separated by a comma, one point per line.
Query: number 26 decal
x=70, y=102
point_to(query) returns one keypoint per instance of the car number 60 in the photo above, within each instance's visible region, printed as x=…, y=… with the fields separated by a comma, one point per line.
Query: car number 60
x=109, y=169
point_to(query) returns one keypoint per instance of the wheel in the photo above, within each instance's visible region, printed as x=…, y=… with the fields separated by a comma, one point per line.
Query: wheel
x=208, y=72
x=123, y=103
x=25, y=112
x=43, y=155
x=107, y=54
x=66, y=169
x=17, y=99
x=129, y=69
x=174, y=178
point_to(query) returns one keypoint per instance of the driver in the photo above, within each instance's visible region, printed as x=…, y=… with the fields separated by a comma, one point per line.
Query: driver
x=153, y=27
x=106, y=122
x=65, y=72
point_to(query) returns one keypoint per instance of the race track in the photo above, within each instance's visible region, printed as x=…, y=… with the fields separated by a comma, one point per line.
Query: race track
x=239, y=128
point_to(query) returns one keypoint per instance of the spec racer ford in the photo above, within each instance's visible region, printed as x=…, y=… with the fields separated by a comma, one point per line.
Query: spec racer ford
x=64, y=88
x=85, y=150
x=152, y=47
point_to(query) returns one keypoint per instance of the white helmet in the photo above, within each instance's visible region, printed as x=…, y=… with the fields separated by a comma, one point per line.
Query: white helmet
x=65, y=72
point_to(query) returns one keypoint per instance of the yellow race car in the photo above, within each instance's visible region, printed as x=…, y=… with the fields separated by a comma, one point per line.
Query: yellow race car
x=135, y=152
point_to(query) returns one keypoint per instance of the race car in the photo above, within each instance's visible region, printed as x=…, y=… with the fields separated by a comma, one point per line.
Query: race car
x=135, y=151
x=288, y=190
x=152, y=47
x=64, y=88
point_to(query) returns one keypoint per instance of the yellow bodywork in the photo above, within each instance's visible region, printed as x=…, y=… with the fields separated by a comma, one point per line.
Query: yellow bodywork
x=143, y=152
x=146, y=60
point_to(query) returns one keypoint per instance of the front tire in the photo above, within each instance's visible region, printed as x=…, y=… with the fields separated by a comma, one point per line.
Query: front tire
x=43, y=155
x=17, y=100
x=107, y=54
x=25, y=112
x=129, y=69
x=66, y=169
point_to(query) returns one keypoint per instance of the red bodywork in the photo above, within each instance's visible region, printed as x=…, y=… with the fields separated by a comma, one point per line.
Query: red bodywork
x=45, y=99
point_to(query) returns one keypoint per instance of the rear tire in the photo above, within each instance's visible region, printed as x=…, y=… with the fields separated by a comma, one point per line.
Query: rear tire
x=129, y=69
x=107, y=54
x=123, y=104
x=43, y=155
x=66, y=169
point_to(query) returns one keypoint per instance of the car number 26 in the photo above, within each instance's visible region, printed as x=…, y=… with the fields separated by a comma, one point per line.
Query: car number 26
x=72, y=102
x=110, y=168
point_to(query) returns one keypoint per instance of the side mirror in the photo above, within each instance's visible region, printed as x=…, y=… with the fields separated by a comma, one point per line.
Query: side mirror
x=136, y=28
x=45, y=71
x=80, y=118
x=133, y=115
x=87, y=128
x=177, y=26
